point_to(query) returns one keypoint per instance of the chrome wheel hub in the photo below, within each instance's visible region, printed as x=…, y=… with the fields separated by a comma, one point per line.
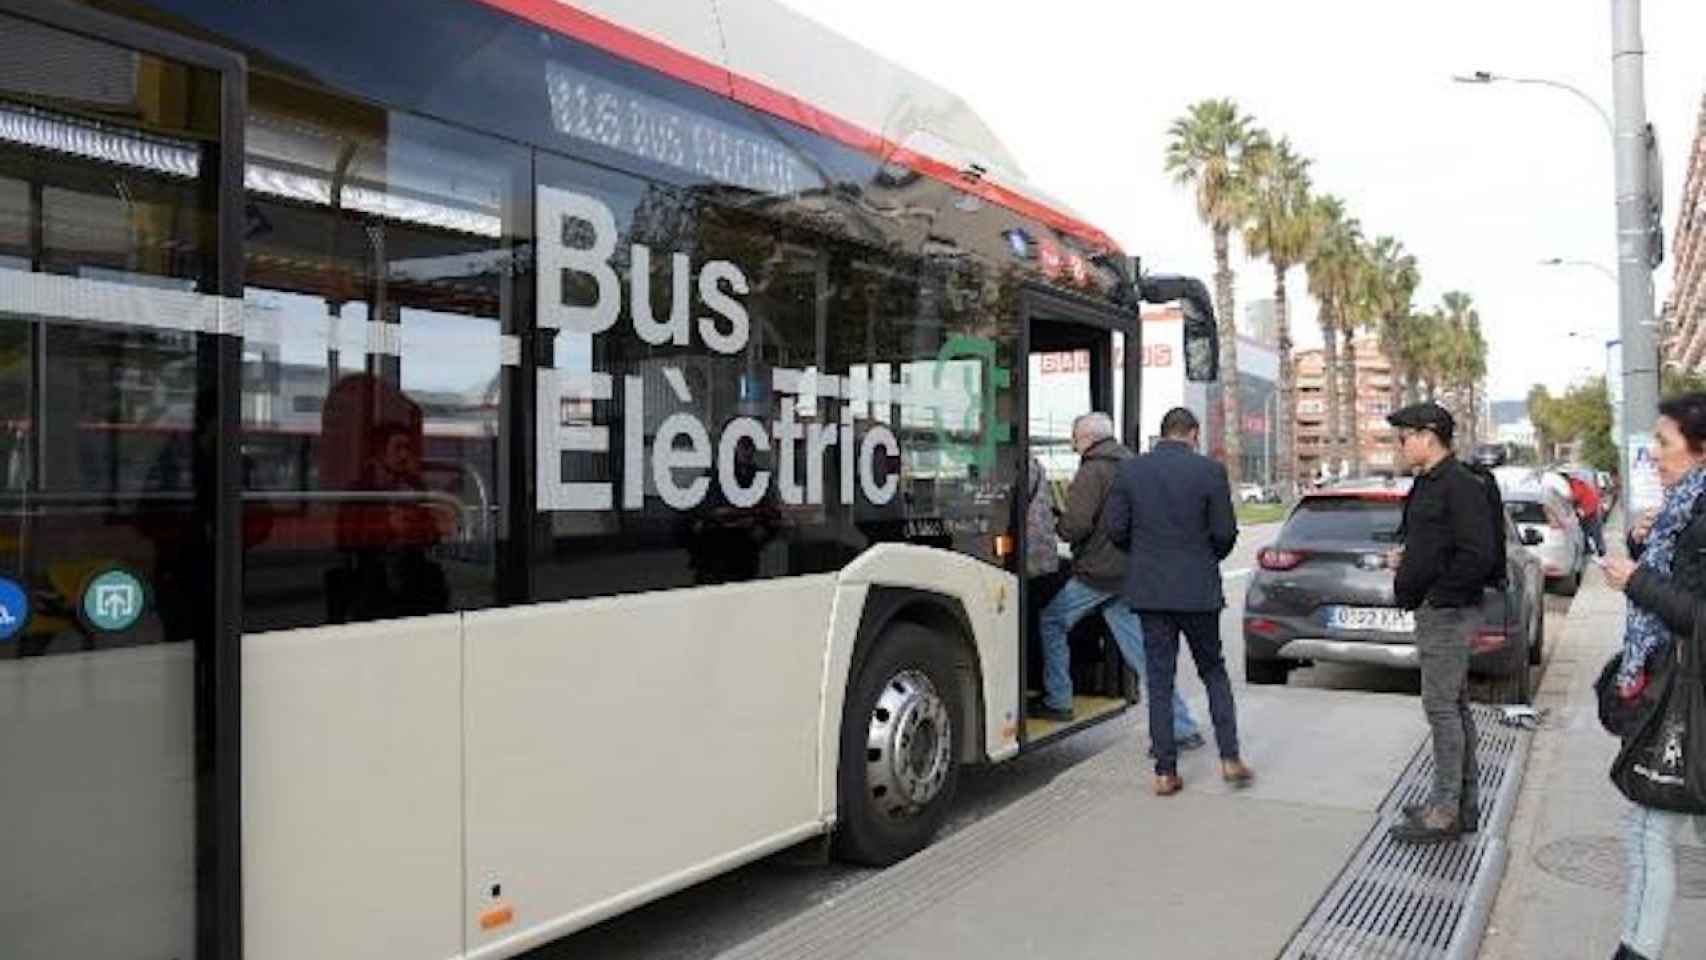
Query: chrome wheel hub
x=908, y=746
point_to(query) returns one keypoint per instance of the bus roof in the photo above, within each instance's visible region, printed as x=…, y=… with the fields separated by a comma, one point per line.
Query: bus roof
x=772, y=58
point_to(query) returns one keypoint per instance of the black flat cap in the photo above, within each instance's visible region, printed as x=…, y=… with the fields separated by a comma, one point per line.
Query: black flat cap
x=1425, y=416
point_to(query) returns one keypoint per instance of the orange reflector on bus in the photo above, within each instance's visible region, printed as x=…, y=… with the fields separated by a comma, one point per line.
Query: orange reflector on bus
x=1003, y=545
x=496, y=917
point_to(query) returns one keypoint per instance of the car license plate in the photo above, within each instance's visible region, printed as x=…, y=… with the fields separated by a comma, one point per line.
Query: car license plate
x=1381, y=619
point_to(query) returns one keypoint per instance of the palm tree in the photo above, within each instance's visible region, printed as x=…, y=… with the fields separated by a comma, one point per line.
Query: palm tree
x=1467, y=355
x=1359, y=312
x=1333, y=267
x=1396, y=279
x=1439, y=355
x=1418, y=342
x=1284, y=229
x=1206, y=150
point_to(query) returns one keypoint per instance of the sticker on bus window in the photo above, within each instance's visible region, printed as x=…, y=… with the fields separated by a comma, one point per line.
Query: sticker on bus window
x=14, y=609
x=113, y=601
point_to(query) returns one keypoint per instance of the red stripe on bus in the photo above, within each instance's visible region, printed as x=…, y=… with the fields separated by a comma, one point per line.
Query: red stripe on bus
x=619, y=40
x=638, y=48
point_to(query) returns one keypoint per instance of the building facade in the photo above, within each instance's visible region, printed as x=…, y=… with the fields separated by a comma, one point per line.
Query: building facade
x=1685, y=309
x=1316, y=458
x=1258, y=395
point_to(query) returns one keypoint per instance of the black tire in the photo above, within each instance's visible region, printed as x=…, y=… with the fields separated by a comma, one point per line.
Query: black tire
x=876, y=823
x=1536, y=650
x=1521, y=684
x=1266, y=672
x=1515, y=680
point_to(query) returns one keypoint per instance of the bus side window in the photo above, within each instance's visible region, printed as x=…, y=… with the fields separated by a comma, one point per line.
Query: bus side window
x=374, y=396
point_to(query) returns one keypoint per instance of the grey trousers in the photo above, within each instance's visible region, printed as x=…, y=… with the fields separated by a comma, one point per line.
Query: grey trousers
x=1442, y=641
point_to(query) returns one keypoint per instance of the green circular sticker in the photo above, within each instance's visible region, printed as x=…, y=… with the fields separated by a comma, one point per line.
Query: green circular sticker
x=113, y=601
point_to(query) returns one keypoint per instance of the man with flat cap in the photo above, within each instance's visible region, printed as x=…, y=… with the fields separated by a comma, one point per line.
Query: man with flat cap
x=1443, y=567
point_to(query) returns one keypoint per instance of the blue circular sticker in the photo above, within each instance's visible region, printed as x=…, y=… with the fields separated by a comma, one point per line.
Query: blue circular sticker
x=14, y=608
x=113, y=601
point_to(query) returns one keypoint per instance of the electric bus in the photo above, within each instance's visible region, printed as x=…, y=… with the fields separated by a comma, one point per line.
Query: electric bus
x=471, y=467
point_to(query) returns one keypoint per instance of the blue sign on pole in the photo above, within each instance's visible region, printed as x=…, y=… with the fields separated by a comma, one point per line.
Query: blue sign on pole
x=14, y=609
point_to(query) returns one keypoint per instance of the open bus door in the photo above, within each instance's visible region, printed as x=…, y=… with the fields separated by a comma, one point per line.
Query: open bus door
x=1082, y=356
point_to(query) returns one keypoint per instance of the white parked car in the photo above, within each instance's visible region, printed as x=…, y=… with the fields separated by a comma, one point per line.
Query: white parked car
x=1548, y=527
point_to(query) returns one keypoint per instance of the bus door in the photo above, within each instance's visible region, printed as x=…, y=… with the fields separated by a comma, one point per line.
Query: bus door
x=120, y=271
x=1077, y=363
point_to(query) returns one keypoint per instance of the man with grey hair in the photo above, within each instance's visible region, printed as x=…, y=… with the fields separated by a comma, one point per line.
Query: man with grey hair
x=1098, y=572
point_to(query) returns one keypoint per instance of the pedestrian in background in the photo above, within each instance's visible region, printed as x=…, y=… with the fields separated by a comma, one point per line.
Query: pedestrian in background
x=1664, y=585
x=1444, y=566
x=1588, y=511
x=1171, y=512
x=1043, y=576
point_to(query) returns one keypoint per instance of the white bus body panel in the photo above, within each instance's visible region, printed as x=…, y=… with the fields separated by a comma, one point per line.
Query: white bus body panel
x=352, y=791
x=121, y=777
x=584, y=757
x=619, y=748
x=689, y=26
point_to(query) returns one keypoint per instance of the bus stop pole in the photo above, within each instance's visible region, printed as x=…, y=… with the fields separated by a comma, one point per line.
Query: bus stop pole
x=1634, y=271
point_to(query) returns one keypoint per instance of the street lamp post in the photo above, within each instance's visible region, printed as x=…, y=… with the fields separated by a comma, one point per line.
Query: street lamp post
x=1634, y=266
x=1630, y=145
x=1268, y=434
x=1561, y=262
x=1487, y=76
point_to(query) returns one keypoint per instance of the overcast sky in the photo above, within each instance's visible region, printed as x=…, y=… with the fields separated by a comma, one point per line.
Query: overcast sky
x=1479, y=182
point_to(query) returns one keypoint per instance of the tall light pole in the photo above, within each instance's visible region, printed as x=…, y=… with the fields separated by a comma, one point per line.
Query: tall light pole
x=1631, y=144
x=1634, y=257
x=1269, y=421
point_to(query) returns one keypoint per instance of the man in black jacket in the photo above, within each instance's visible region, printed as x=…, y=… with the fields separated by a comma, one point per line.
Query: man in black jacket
x=1443, y=570
x=1171, y=511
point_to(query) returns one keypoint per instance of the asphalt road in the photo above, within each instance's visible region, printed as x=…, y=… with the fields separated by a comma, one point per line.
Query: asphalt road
x=701, y=922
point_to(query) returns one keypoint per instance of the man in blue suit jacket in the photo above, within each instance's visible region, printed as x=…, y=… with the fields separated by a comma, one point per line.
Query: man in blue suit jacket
x=1171, y=511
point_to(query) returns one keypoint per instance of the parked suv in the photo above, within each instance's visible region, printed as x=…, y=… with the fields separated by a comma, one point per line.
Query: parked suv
x=1323, y=592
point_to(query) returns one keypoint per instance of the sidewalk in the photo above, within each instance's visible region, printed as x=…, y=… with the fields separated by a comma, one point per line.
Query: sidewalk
x=1562, y=896
x=1095, y=865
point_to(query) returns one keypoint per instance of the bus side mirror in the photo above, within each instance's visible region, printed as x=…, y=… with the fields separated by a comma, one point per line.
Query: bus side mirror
x=1202, y=343
x=1202, y=336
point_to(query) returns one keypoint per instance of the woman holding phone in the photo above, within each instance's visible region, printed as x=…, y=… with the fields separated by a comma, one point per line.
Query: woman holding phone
x=1664, y=583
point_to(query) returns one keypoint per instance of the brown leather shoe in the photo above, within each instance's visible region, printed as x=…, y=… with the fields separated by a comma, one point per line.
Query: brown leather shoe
x=1167, y=784
x=1237, y=773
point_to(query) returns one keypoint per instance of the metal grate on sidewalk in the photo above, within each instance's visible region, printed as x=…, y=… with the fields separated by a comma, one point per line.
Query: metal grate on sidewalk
x=1397, y=902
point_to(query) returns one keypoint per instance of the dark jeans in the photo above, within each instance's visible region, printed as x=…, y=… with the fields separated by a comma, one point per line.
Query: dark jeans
x=1161, y=632
x=1594, y=527
x=1442, y=641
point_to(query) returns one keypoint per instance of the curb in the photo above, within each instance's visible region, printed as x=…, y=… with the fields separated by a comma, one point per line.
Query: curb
x=1484, y=889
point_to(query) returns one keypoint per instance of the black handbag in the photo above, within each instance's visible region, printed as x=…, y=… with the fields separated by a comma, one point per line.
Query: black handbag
x=1618, y=716
x=1663, y=762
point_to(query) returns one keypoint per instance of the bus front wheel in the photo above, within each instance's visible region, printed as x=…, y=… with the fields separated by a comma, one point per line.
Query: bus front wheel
x=899, y=755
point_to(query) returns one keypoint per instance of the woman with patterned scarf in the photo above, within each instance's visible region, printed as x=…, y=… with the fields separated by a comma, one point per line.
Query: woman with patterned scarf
x=1663, y=585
